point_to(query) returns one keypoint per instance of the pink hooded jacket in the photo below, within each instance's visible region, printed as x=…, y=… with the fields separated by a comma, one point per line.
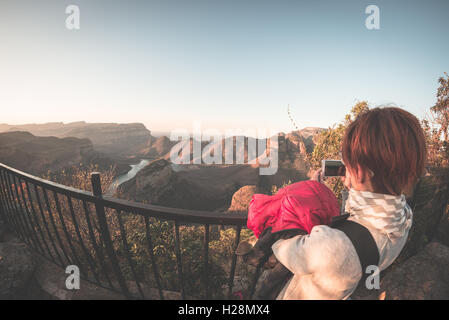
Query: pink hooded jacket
x=301, y=205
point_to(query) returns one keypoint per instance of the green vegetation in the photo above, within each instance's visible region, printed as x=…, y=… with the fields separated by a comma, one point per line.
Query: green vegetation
x=329, y=142
x=191, y=245
x=436, y=127
x=131, y=227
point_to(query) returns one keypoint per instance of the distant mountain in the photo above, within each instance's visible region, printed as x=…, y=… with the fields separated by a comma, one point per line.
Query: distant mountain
x=119, y=140
x=37, y=155
x=124, y=140
x=133, y=140
x=292, y=149
x=308, y=136
x=61, y=146
x=292, y=146
x=158, y=148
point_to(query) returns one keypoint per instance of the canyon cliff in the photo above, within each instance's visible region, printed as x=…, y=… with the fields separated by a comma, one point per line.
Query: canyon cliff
x=159, y=183
x=117, y=140
x=38, y=155
x=210, y=187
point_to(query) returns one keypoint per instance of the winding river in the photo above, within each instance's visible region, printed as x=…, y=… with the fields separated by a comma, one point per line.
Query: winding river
x=135, y=168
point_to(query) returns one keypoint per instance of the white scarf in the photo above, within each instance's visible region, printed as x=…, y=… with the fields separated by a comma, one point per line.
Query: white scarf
x=388, y=214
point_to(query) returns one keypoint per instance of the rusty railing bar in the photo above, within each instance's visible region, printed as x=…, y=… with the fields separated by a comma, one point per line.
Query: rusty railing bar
x=52, y=220
x=179, y=259
x=8, y=207
x=16, y=212
x=33, y=210
x=127, y=252
x=152, y=258
x=89, y=258
x=47, y=228
x=234, y=261
x=206, y=261
x=29, y=217
x=101, y=215
x=64, y=228
x=97, y=250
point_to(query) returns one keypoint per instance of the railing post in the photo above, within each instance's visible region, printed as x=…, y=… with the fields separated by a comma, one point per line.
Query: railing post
x=2, y=210
x=96, y=184
x=2, y=213
x=99, y=208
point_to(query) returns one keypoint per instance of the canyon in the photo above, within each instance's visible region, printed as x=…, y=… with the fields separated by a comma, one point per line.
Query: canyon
x=38, y=148
x=145, y=174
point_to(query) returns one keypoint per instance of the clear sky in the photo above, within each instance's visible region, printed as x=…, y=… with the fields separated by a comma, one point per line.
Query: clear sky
x=228, y=64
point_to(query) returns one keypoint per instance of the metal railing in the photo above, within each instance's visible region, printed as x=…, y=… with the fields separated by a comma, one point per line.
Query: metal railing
x=118, y=244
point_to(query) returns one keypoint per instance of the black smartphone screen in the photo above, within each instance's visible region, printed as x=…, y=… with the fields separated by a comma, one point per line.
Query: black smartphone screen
x=334, y=169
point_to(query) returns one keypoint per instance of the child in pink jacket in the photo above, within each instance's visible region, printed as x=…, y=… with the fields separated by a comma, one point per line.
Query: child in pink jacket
x=293, y=210
x=301, y=205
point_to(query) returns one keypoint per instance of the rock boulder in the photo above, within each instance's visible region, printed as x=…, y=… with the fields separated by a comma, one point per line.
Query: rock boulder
x=422, y=277
x=242, y=198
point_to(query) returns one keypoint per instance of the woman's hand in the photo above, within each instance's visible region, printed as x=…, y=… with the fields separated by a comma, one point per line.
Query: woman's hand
x=346, y=180
x=317, y=175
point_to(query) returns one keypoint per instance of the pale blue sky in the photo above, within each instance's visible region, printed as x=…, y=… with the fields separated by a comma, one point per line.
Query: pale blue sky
x=228, y=64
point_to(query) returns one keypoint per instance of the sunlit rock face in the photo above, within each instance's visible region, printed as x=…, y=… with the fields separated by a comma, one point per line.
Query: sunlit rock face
x=158, y=183
x=158, y=147
x=201, y=188
x=242, y=198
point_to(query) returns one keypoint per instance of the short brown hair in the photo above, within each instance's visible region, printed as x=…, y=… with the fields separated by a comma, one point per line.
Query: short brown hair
x=390, y=142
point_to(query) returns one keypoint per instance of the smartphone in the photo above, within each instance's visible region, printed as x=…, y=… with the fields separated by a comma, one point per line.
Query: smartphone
x=333, y=168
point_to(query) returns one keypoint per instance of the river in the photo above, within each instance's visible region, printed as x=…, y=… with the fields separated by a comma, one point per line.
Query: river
x=135, y=168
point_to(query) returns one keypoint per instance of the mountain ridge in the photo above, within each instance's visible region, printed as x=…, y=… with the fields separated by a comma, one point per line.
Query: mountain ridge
x=37, y=155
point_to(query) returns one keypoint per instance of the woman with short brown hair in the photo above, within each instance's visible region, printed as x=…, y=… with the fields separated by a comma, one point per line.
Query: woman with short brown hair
x=388, y=146
x=384, y=152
